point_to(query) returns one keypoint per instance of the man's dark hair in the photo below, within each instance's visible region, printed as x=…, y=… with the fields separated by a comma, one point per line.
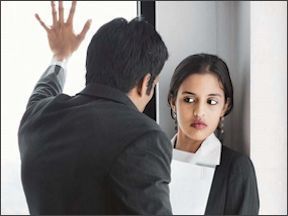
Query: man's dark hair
x=121, y=53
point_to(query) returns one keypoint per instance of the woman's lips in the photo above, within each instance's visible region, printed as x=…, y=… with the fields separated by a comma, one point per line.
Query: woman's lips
x=198, y=125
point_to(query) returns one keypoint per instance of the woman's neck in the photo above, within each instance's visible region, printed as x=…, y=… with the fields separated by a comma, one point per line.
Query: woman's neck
x=185, y=143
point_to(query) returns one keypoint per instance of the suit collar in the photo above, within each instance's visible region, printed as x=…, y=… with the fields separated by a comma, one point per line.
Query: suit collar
x=107, y=92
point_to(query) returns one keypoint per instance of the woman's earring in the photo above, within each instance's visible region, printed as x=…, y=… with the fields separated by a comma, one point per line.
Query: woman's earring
x=175, y=119
x=222, y=125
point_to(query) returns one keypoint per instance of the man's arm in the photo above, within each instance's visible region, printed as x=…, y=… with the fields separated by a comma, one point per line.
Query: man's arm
x=63, y=42
x=140, y=177
x=50, y=84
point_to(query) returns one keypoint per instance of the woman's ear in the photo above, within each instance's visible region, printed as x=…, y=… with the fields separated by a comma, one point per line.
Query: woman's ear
x=172, y=104
x=226, y=107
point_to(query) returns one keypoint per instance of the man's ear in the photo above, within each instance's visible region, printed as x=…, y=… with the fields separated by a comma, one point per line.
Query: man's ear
x=143, y=85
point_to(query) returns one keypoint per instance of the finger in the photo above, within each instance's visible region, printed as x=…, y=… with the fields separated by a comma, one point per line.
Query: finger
x=71, y=13
x=54, y=13
x=41, y=22
x=61, y=12
x=85, y=29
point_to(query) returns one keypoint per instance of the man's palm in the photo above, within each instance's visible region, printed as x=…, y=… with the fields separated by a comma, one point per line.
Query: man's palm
x=62, y=39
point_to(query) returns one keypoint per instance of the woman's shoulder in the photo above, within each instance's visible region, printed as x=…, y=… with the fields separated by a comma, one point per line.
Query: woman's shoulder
x=236, y=162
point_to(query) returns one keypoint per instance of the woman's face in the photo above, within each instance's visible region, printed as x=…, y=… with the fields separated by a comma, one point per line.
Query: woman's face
x=199, y=104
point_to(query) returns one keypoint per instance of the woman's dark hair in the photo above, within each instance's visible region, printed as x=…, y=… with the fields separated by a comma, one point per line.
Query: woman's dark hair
x=121, y=53
x=199, y=64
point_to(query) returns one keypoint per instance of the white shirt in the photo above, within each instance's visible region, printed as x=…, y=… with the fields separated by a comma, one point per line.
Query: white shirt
x=60, y=63
x=192, y=175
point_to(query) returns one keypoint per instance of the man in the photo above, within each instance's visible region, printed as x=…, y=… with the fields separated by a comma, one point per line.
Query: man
x=95, y=153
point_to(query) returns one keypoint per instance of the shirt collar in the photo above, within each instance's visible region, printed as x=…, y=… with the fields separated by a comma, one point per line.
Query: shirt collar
x=208, y=154
x=107, y=92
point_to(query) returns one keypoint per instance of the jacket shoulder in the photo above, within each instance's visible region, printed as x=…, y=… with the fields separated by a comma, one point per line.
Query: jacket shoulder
x=239, y=164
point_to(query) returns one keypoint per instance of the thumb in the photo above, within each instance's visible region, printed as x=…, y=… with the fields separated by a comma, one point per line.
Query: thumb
x=85, y=29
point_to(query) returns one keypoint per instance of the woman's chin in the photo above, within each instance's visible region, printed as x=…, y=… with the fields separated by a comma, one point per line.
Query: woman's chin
x=198, y=135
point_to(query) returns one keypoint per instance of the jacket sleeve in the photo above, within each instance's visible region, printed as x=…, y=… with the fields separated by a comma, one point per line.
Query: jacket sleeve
x=243, y=198
x=50, y=84
x=140, y=176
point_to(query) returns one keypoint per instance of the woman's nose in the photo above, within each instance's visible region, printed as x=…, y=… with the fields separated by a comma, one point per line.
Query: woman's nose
x=199, y=110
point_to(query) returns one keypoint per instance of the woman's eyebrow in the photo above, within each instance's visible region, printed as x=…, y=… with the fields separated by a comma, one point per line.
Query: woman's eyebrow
x=210, y=95
x=187, y=92
x=215, y=94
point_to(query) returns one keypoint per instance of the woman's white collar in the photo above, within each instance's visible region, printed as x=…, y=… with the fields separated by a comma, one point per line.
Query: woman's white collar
x=208, y=154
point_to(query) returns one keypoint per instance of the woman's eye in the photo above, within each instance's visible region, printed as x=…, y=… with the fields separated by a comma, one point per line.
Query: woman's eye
x=189, y=100
x=212, y=102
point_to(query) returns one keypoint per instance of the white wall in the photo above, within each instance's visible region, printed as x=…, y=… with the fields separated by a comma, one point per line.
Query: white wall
x=269, y=103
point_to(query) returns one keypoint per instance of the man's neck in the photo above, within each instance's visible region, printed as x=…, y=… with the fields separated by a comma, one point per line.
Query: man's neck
x=136, y=101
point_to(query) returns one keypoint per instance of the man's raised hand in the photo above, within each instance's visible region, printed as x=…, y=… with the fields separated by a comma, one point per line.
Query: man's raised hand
x=62, y=39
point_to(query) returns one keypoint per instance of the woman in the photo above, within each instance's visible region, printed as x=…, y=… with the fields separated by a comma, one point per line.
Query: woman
x=207, y=177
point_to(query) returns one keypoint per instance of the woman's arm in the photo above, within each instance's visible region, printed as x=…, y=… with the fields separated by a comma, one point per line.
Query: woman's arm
x=242, y=192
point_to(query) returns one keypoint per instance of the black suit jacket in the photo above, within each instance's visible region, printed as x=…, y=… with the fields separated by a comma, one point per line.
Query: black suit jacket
x=234, y=188
x=93, y=153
